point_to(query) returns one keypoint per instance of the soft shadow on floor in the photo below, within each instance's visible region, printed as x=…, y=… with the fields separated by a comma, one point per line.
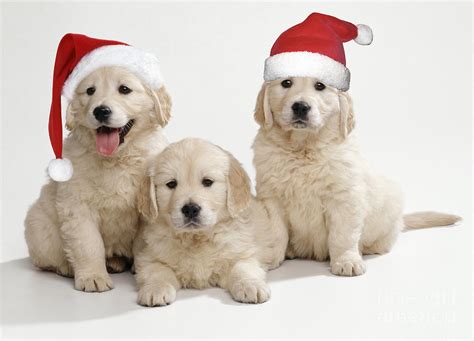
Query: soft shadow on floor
x=299, y=268
x=31, y=296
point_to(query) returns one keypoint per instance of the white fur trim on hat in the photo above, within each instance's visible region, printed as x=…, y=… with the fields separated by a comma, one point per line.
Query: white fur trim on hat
x=364, y=35
x=60, y=169
x=307, y=64
x=141, y=63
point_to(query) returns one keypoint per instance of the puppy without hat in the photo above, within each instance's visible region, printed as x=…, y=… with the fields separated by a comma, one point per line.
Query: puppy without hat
x=206, y=229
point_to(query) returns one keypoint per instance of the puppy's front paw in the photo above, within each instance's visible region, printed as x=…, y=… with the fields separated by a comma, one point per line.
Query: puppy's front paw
x=348, y=266
x=157, y=295
x=250, y=291
x=93, y=283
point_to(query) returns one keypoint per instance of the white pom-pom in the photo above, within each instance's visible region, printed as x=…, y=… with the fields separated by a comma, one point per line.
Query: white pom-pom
x=60, y=169
x=364, y=35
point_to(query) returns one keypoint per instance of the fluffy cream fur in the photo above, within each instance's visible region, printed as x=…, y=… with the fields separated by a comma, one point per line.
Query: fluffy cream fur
x=75, y=226
x=335, y=205
x=234, y=241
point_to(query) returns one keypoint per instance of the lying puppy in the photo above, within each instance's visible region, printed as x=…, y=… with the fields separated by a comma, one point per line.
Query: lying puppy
x=86, y=226
x=207, y=229
x=306, y=156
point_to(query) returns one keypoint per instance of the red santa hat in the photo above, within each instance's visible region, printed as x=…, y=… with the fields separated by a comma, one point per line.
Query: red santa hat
x=77, y=56
x=314, y=48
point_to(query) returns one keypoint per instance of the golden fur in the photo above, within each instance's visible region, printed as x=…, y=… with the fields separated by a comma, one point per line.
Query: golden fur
x=75, y=226
x=236, y=239
x=335, y=205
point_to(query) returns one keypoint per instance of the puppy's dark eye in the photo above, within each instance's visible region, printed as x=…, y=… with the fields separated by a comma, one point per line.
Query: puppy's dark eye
x=90, y=91
x=287, y=83
x=206, y=182
x=124, y=90
x=319, y=86
x=172, y=184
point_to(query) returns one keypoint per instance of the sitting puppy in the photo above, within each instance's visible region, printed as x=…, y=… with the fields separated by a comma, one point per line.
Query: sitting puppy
x=206, y=228
x=307, y=158
x=86, y=226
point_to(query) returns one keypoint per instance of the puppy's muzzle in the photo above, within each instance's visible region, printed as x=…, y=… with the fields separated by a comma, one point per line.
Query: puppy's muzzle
x=191, y=211
x=102, y=113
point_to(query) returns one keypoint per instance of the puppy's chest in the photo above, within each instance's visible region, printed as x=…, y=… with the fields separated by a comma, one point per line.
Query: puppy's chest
x=299, y=180
x=295, y=177
x=200, y=267
x=114, y=189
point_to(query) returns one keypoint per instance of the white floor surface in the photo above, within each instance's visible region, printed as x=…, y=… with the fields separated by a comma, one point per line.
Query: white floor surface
x=418, y=290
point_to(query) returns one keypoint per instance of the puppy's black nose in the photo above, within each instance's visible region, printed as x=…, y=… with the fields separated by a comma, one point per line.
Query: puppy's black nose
x=300, y=110
x=102, y=113
x=191, y=210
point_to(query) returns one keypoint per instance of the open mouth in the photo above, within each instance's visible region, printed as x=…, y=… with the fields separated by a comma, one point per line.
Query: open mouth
x=108, y=139
x=299, y=124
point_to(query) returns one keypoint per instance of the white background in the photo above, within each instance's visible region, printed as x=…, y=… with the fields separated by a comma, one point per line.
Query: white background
x=412, y=92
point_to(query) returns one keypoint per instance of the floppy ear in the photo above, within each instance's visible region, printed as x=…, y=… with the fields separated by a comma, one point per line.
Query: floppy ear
x=147, y=204
x=263, y=114
x=162, y=101
x=238, y=188
x=346, y=119
x=70, y=113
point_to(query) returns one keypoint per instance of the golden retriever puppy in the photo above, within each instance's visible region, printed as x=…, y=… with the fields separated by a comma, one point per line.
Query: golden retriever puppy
x=206, y=229
x=307, y=158
x=86, y=226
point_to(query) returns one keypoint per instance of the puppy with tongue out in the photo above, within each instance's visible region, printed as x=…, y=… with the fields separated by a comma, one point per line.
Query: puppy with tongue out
x=85, y=220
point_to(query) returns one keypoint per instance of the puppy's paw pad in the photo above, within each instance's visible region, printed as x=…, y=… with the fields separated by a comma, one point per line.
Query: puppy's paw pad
x=250, y=291
x=344, y=267
x=93, y=283
x=157, y=296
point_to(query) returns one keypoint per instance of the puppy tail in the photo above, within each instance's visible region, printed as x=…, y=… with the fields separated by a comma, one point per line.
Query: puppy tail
x=419, y=220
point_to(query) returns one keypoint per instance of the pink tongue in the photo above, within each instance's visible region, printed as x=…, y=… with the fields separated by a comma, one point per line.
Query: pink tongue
x=106, y=143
